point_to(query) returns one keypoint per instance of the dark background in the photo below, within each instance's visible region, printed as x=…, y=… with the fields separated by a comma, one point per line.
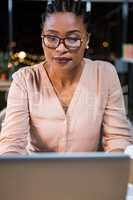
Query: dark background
x=106, y=17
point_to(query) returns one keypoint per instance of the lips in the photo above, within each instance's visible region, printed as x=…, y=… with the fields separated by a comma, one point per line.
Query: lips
x=62, y=59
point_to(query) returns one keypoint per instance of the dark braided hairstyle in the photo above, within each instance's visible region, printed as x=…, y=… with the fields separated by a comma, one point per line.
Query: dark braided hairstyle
x=76, y=7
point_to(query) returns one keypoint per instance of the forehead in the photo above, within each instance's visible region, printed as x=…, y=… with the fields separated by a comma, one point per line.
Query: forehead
x=64, y=22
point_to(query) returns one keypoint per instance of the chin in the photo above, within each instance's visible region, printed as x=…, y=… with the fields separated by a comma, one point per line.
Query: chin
x=64, y=65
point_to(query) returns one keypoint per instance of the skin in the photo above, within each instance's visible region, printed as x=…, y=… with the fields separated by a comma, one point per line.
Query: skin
x=65, y=76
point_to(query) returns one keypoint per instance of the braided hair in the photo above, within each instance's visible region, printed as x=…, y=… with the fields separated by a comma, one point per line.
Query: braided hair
x=76, y=7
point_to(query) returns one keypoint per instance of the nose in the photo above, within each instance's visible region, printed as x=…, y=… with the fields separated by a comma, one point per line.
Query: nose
x=61, y=47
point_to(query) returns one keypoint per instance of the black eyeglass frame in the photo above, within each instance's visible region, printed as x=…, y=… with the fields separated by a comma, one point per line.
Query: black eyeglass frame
x=62, y=40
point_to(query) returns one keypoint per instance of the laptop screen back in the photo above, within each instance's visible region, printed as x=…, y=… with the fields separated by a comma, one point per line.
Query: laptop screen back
x=69, y=176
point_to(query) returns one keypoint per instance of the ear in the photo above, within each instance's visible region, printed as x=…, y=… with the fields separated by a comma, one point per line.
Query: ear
x=42, y=43
x=43, y=47
x=88, y=40
x=88, y=37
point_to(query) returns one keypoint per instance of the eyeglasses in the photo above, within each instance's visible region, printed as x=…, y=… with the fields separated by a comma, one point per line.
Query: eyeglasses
x=70, y=42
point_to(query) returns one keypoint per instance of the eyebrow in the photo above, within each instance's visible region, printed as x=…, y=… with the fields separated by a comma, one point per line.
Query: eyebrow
x=72, y=31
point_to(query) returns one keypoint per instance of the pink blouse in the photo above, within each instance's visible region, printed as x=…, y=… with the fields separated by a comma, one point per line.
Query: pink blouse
x=36, y=121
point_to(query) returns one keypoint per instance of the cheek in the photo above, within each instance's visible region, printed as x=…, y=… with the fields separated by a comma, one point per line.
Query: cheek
x=80, y=52
x=47, y=52
x=77, y=56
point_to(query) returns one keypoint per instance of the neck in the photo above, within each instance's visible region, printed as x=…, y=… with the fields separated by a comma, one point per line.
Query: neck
x=64, y=77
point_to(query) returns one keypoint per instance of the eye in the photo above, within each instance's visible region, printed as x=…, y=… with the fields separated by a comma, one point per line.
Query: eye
x=52, y=38
x=72, y=39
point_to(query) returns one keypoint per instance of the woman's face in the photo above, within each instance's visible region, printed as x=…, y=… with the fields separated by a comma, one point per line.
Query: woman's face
x=64, y=24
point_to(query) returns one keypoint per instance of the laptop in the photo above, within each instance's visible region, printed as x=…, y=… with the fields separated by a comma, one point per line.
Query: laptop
x=64, y=176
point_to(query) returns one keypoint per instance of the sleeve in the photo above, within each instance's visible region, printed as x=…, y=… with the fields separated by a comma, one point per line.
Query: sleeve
x=15, y=128
x=116, y=130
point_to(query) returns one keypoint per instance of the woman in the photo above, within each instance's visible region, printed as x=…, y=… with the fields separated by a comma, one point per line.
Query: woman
x=62, y=103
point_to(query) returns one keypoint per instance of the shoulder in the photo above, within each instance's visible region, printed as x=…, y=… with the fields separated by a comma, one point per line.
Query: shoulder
x=104, y=67
x=103, y=72
x=27, y=72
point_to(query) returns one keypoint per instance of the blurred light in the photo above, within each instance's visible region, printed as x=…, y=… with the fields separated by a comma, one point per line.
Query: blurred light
x=10, y=65
x=49, y=2
x=88, y=6
x=16, y=63
x=10, y=5
x=21, y=55
x=105, y=44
